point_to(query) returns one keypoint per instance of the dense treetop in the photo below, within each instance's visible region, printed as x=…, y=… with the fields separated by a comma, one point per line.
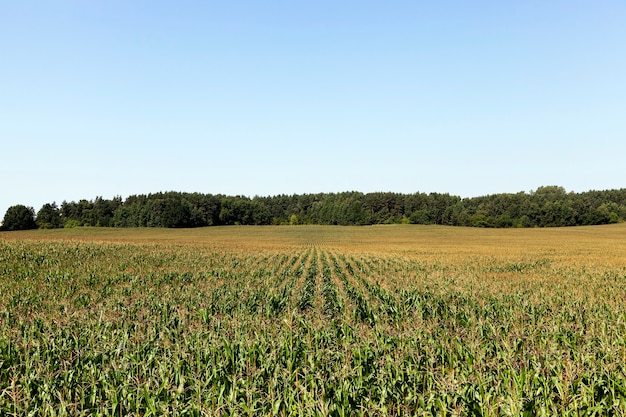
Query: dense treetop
x=19, y=217
x=544, y=207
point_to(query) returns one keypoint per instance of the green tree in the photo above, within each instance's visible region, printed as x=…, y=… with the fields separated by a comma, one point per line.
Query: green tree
x=423, y=216
x=481, y=219
x=504, y=220
x=19, y=217
x=176, y=213
x=49, y=217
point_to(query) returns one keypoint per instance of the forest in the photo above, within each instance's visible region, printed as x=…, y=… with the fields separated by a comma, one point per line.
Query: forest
x=548, y=206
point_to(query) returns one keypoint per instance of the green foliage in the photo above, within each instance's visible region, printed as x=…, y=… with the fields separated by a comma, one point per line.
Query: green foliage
x=481, y=219
x=70, y=224
x=546, y=207
x=49, y=217
x=19, y=217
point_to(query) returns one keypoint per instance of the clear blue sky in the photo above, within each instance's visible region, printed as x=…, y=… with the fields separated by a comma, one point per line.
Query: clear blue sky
x=278, y=97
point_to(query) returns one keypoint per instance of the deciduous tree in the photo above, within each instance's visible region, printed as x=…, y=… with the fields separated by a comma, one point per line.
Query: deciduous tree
x=49, y=217
x=19, y=217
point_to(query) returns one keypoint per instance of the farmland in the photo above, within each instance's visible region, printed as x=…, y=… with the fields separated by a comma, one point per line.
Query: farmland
x=313, y=320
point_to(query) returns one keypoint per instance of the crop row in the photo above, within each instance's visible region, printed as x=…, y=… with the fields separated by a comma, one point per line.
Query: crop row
x=119, y=329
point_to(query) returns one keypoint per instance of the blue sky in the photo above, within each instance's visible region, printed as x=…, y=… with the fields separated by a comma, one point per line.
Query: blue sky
x=280, y=97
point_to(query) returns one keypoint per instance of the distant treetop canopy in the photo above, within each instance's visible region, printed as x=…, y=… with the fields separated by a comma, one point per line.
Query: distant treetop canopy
x=19, y=217
x=545, y=207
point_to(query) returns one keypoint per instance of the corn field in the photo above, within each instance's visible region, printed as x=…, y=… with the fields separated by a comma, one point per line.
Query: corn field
x=313, y=321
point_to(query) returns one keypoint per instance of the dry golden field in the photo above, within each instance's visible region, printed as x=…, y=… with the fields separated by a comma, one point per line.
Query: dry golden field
x=313, y=320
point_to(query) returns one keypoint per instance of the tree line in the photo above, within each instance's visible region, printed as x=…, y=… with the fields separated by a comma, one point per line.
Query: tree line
x=545, y=207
